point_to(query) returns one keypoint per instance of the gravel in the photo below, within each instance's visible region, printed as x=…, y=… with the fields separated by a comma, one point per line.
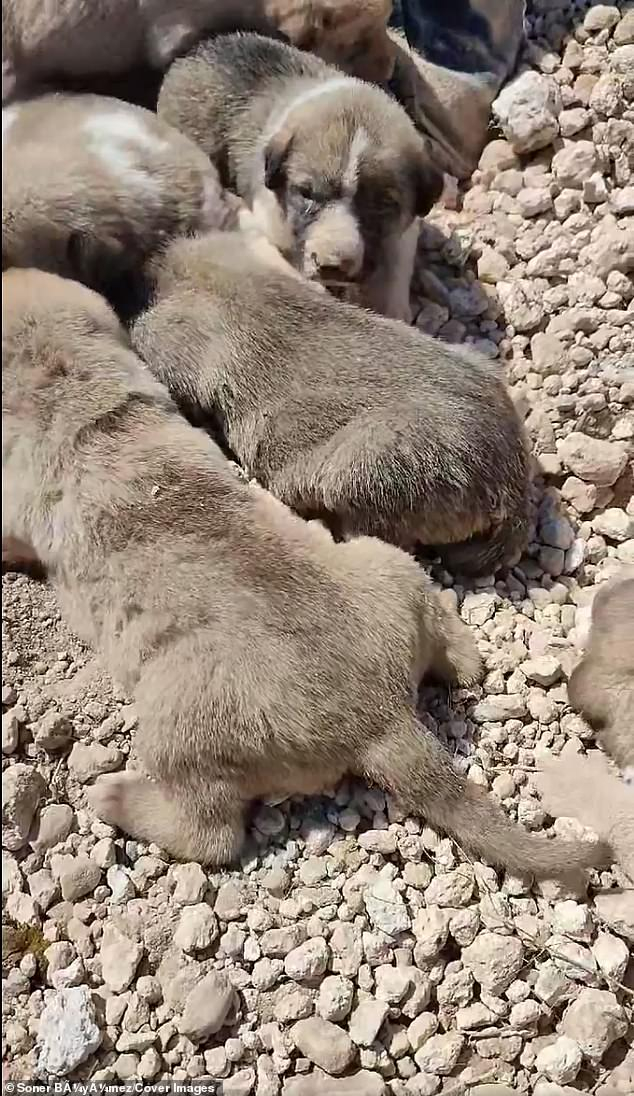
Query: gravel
x=354, y=951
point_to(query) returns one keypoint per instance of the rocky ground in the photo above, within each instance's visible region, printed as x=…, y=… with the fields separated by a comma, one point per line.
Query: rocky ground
x=351, y=940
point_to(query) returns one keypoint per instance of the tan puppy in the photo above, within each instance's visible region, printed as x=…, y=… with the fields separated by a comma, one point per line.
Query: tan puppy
x=345, y=416
x=588, y=788
x=91, y=186
x=601, y=687
x=334, y=169
x=264, y=658
x=72, y=38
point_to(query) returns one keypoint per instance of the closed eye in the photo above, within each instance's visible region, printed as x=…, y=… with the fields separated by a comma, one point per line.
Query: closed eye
x=305, y=191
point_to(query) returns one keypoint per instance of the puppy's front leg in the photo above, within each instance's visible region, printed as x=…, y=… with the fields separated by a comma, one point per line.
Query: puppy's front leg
x=387, y=290
x=262, y=249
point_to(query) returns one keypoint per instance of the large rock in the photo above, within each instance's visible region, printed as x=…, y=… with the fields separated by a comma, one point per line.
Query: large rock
x=67, y=1033
x=197, y=928
x=594, y=1020
x=498, y=708
x=77, y=875
x=616, y=909
x=440, y=1053
x=574, y=163
x=494, y=959
x=560, y=1061
x=386, y=908
x=53, y=826
x=22, y=790
x=308, y=961
x=335, y=997
x=207, y=1007
x=323, y=1043
x=366, y=1021
x=592, y=459
x=88, y=760
x=363, y=1083
x=527, y=110
x=120, y=957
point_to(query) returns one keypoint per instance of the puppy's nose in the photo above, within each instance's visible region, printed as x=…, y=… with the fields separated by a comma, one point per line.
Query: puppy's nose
x=342, y=268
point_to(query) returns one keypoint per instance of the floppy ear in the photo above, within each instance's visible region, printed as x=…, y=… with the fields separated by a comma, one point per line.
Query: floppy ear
x=428, y=185
x=275, y=156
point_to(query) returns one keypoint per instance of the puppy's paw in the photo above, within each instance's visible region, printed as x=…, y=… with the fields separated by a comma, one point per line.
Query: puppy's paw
x=110, y=796
x=401, y=310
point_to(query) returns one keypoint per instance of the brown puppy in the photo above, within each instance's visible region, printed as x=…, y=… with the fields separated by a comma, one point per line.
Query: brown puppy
x=73, y=38
x=333, y=169
x=264, y=658
x=343, y=415
x=601, y=687
x=91, y=186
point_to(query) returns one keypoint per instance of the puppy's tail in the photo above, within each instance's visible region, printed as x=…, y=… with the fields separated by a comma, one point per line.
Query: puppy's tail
x=414, y=767
x=485, y=553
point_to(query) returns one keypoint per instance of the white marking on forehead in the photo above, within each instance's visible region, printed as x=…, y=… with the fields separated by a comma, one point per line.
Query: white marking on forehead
x=313, y=91
x=9, y=115
x=113, y=137
x=358, y=145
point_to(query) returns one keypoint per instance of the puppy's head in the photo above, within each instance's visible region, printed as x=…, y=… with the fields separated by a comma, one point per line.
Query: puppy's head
x=349, y=172
x=345, y=33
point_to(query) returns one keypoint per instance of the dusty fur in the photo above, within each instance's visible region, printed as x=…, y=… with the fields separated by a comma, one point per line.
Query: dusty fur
x=263, y=657
x=601, y=687
x=333, y=168
x=74, y=38
x=91, y=186
x=344, y=415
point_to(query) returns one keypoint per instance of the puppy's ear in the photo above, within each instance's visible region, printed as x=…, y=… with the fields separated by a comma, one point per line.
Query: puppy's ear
x=428, y=184
x=275, y=159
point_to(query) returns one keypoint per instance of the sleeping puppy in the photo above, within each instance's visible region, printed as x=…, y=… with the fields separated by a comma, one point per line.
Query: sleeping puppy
x=333, y=169
x=91, y=186
x=345, y=416
x=64, y=39
x=601, y=687
x=264, y=658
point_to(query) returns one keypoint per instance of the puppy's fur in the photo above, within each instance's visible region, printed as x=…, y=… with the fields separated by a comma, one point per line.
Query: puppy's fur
x=264, y=658
x=334, y=169
x=601, y=687
x=75, y=38
x=345, y=416
x=91, y=186
x=587, y=787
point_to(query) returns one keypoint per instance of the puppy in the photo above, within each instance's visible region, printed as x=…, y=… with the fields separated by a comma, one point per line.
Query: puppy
x=72, y=38
x=601, y=687
x=91, y=186
x=343, y=415
x=264, y=658
x=333, y=169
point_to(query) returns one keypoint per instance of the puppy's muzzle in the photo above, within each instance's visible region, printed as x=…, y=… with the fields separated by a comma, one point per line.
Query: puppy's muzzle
x=333, y=248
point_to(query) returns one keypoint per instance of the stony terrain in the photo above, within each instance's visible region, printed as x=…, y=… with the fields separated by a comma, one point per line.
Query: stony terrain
x=351, y=940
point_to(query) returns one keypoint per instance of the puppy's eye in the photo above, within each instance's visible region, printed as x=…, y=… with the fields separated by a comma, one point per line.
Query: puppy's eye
x=306, y=192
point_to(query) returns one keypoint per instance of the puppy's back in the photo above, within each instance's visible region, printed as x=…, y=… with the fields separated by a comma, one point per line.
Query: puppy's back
x=337, y=411
x=92, y=185
x=229, y=83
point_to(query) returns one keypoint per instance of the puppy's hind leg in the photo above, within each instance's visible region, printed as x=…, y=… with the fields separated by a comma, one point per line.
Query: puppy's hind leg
x=203, y=824
x=455, y=656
